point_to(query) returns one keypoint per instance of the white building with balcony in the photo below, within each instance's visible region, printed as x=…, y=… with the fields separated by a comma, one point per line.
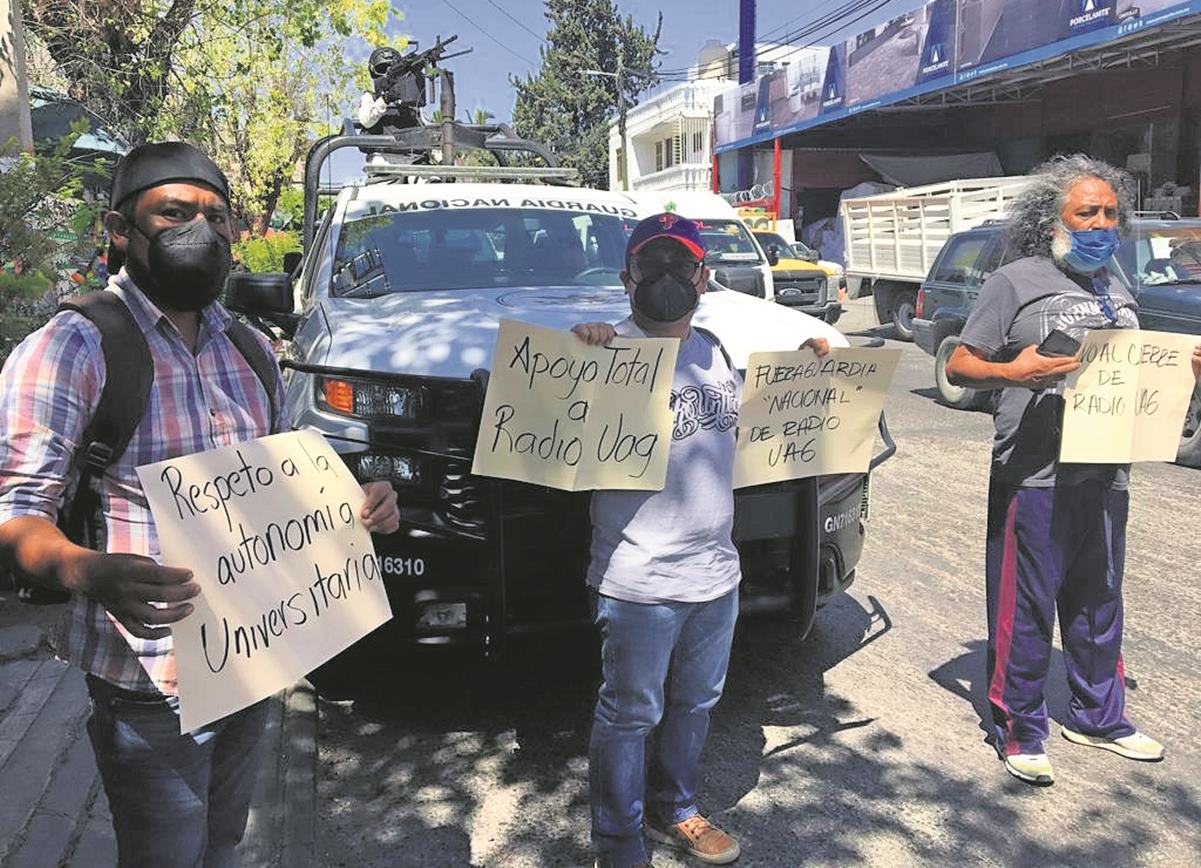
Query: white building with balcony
x=668, y=140
x=669, y=136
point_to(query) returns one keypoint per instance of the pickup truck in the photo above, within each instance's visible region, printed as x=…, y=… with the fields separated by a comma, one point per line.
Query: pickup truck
x=389, y=319
x=1160, y=262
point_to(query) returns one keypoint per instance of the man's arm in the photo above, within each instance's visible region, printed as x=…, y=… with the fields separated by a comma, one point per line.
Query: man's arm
x=135, y=590
x=48, y=391
x=969, y=366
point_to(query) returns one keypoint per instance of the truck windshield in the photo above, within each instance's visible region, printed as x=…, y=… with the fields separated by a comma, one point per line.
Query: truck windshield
x=1168, y=255
x=729, y=241
x=476, y=248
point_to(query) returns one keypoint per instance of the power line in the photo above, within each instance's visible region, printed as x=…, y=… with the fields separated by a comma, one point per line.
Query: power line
x=461, y=14
x=812, y=28
x=785, y=25
x=505, y=12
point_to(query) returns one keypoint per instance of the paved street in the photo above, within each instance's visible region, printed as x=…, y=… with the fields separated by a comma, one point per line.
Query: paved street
x=861, y=745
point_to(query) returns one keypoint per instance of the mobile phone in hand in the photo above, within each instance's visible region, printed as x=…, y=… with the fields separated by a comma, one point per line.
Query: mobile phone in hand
x=1059, y=343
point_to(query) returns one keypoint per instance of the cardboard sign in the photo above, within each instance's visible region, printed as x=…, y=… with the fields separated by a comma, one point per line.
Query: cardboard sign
x=803, y=416
x=288, y=575
x=1127, y=400
x=564, y=414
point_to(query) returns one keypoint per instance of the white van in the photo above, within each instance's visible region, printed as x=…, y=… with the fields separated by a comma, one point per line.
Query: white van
x=736, y=259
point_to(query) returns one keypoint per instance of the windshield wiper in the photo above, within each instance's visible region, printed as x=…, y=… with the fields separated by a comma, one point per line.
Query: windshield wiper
x=1175, y=281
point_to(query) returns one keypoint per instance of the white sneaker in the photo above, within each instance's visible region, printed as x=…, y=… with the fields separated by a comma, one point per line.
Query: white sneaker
x=1033, y=768
x=1135, y=746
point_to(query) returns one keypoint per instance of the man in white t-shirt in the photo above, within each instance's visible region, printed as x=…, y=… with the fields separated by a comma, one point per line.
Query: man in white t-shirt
x=664, y=574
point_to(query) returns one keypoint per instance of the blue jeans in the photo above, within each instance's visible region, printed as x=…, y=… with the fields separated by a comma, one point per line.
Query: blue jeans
x=649, y=650
x=176, y=800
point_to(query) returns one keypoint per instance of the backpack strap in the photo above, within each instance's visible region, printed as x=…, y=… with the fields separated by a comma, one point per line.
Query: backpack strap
x=129, y=374
x=265, y=367
x=716, y=341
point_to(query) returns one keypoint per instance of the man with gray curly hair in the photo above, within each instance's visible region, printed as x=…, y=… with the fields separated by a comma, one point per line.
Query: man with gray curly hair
x=1056, y=532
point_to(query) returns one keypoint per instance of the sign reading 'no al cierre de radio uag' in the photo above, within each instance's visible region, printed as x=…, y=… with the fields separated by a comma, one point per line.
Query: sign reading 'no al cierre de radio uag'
x=1127, y=400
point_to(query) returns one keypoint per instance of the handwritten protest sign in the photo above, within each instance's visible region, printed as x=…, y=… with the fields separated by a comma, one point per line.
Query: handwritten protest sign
x=803, y=416
x=571, y=416
x=288, y=575
x=1127, y=400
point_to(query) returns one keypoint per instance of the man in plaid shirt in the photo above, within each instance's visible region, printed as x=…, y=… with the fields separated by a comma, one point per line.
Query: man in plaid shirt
x=175, y=799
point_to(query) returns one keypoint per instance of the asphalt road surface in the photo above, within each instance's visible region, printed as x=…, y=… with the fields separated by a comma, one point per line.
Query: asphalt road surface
x=860, y=745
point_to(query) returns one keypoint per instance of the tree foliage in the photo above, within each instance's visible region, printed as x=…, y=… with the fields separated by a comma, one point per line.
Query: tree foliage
x=45, y=222
x=569, y=110
x=252, y=82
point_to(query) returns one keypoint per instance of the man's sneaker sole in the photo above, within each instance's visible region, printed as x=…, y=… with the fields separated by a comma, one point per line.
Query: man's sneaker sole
x=679, y=844
x=1111, y=746
x=1036, y=780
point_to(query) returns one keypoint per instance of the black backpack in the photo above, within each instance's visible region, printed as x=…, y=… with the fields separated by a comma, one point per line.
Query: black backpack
x=129, y=375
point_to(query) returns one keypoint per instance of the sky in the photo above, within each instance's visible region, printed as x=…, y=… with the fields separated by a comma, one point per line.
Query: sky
x=503, y=46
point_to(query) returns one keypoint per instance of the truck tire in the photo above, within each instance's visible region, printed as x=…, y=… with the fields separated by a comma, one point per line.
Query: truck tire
x=959, y=397
x=904, y=309
x=896, y=303
x=1189, y=454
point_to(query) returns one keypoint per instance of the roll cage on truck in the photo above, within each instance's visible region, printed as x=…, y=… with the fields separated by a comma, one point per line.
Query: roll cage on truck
x=388, y=319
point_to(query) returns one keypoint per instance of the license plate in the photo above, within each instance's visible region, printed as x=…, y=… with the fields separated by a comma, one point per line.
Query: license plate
x=403, y=567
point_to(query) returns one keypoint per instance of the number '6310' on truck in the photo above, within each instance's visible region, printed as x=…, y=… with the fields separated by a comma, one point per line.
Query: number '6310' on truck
x=389, y=321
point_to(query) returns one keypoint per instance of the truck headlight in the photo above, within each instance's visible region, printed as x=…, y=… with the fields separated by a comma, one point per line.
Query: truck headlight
x=367, y=399
x=403, y=470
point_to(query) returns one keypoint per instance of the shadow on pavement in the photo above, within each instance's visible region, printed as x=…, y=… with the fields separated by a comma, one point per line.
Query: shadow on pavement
x=456, y=763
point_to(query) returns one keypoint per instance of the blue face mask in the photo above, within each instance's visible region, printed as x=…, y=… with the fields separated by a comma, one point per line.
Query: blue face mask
x=1091, y=249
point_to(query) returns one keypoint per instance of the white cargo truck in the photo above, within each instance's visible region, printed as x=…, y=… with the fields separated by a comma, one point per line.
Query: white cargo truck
x=893, y=238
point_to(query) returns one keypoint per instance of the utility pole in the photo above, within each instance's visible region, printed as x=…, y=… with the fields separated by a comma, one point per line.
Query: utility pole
x=14, y=90
x=620, y=79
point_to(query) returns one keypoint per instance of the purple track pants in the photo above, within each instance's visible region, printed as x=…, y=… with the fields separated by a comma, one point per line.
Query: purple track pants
x=1054, y=549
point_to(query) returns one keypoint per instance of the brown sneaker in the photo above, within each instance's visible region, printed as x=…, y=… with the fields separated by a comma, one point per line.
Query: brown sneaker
x=697, y=837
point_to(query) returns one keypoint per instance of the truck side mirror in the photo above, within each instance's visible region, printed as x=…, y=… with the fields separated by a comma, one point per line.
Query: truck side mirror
x=292, y=261
x=773, y=255
x=811, y=255
x=267, y=295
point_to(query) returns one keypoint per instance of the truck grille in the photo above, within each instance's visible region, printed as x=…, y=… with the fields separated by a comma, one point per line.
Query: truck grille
x=800, y=287
x=461, y=496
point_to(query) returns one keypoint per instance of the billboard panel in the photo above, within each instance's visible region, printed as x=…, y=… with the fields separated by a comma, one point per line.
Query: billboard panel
x=942, y=43
x=910, y=49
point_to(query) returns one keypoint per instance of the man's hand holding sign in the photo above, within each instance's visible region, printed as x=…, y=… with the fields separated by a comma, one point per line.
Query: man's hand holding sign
x=277, y=534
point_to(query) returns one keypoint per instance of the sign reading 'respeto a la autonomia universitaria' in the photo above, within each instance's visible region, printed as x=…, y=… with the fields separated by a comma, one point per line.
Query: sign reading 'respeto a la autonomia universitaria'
x=1127, y=400
x=567, y=415
x=806, y=416
x=289, y=577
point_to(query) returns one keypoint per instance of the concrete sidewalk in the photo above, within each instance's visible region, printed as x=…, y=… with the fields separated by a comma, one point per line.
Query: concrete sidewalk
x=53, y=811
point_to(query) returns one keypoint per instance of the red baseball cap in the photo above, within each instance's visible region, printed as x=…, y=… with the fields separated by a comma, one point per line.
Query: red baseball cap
x=667, y=225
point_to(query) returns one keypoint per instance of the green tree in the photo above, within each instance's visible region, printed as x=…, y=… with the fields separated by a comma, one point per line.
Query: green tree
x=45, y=221
x=569, y=110
x=252, y=82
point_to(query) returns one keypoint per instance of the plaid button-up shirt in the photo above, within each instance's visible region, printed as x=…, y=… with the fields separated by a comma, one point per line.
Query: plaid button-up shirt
x=49, y=388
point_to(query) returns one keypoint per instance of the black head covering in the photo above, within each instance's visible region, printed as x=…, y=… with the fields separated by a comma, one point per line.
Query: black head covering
x=158, y=163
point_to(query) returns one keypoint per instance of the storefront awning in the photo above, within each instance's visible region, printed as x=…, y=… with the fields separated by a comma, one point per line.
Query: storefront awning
x=913, y=171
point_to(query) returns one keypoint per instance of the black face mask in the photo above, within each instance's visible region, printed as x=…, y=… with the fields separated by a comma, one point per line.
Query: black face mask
x=665, y=297
x=186, y=268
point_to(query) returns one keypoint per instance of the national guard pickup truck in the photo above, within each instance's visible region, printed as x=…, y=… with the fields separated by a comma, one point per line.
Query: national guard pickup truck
x=388, y=323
